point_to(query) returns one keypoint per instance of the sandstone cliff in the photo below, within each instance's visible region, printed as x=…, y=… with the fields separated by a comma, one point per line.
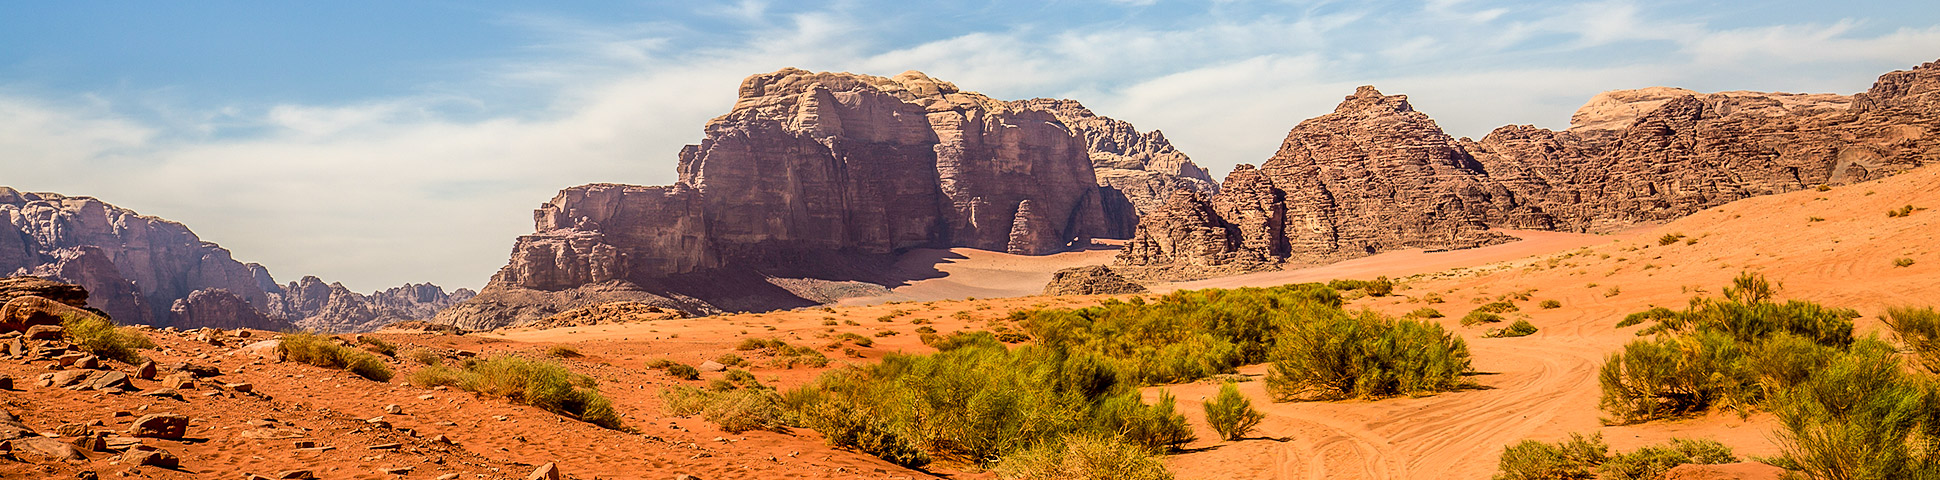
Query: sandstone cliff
x=1137, y=171
x=819, y=176
x=147, y=270
x=1376, y=175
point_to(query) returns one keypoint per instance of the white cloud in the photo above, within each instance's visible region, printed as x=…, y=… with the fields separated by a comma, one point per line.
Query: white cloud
x=383, y=191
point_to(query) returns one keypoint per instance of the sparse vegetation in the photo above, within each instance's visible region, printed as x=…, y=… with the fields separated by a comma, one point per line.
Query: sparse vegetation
x=423, y=357
x=735, y=410
x=1083, y=458
x=684, y=371
x=99, y=336
x=562, y=351
x=1378, y=287
x=731, y=360
x=326, y=352
x=1815, y=219
x=377, y=345
x=1905, y=211
x=1498, y=307
x=1550, y=304
x=1231, y=414
x=1425, y=312
x=1612, y=291
x=1478, y=317
x=1588, y=458
x=1919, y=330
x=1365, y=356
x=1902, y=262
x=1521, y=328
x=539, y=383
x=1669, y=238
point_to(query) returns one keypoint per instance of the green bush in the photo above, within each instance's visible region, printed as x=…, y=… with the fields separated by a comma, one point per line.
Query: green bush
x=1083, y=457
x=1861, y=417
x=1479, y=317
x=1652, y=379
x=684, y=371
x=99, y=336
x=377, y=345
x=325, y=352
x=1586, y=458
x=731, y=360
x=1425, y=312
x=734, y=410
x=1748, y=314
x=980, y=402
x=1919, y=329
x=1185, y=335
x=957, y=340
x=1521, y=328
x=1366, y=356
x=1231, y=414
x=538, y=383
x=1379, y=287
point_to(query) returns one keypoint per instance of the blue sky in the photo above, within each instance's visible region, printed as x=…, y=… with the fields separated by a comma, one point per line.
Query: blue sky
x=377, y=143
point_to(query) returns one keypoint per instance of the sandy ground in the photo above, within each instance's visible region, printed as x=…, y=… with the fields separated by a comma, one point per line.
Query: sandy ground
x=1835, y=247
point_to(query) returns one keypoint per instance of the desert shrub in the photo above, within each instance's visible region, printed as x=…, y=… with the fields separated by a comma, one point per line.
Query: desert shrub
x=1748, y=313
x=1521, y=328
x=887, y=333
x=660, y=363
x=1498, y=307
x=562, y=351
x=423, y=357
x=539, y=383
x=1612, y=291
x=1573, y=459
x=858, y=340
x=750, y=344
x=1667, y=377
x=1905, y=211
x=1231, y=414
x=684, y=371
x=829, y=321
x=981, y=401
x=377, y=346
x=958, y=340
x=925, y=329
x=1587, y=458
x=1550, y=304
x=1378, y=287
x=731, y=360
x=734, y=410
x=325, y=352
x=1861, y=417
x=741, y=378
x=1432, y=298
x=1083, y=458
x=1425, y=312
x=1184, y=335
x=99, y=336
x=1650, y=463
x=1669, y=238
x=1902, y=262
x=1919, y=329
x=1365, y=356
x=1479, y=317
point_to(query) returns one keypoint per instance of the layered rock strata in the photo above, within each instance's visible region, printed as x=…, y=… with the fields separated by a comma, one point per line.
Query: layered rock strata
x=1377, y=175
x=813, y=174
x=1137, y=171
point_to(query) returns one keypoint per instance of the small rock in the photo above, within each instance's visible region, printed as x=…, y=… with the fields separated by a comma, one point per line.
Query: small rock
x=393, y=409
x=89, y=362
x=441, y=438
x=72, y=430
x=304, y=444
x=426, y=397
x=296, y=475
x=155, y=458
x=684, y=476
x=385, y=446
x=545, y=472
x=179, y=381
x=45, y=332
x=160, y=425
x=6, y=382
x=240, y=387
x=712, y=366
x=501, y=418
x=110, y=381
x=146, y=371
x=161, y=392
x=448, y=476
x=379, y=422
x=398, y=470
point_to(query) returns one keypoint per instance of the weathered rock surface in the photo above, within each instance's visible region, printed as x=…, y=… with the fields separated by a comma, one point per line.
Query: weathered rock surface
x=818, y=175
x=311, y=304
x=27, y=311
x=1376, y=175
x=1090, y=280
x=1137, y=171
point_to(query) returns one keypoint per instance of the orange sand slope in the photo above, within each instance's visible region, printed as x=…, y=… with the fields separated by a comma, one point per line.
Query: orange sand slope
x=1835, y=247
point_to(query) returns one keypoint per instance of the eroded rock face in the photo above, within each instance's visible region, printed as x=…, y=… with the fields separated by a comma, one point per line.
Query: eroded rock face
x=817, y=171
x=1376, y=175
x=218, y=308
x=1090, y=280
x=1138, y=171
x=311, y=304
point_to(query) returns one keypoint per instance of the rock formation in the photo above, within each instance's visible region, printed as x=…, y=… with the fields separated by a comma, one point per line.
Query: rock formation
x=1090, y=280
x=1137, y=171
x=147, y=270
x=1376, y=175
x=820, y=175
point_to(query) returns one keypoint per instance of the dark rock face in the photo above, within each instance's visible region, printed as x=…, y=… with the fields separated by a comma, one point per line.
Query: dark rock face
x=70, y=294
x=1090, y=280
x=810, y=175
x=146, y=270
x=218, y=308
x=1376, y=175
x=1137, y=172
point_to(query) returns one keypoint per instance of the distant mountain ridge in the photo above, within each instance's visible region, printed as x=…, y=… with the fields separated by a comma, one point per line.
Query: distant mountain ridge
x=147, y=270
x=1376, y=175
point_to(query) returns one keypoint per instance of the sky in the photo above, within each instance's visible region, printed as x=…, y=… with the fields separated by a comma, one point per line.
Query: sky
x=383, y=142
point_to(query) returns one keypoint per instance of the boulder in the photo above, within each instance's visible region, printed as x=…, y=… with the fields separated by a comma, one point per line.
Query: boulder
x=45, y=332
x=160, y=425
x=544, y=472
x=153, y=457
x=1090, y=280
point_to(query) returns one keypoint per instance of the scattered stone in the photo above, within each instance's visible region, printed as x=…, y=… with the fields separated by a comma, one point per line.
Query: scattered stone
x=70, y=378
x=296, y=475
x=379, y=422
x=441, y=438
x=426, y=397
x=145, y=371
x=385, y=446
x=111, y=381
x=48, y=448
x=393, y=409
x=72, y=430
x=712, y=366
x=160, y=425
x=544, y=472
x=119, y=443
x=304, y=444
x=239, y=387
x=151, y=456
x=448, y=476
x=684, y=476
x=162, y=392
x=94, y=443
x=89, y=362
x=70, y=358
x=6, y=382
x=198, y=371
x=45, y=332
x=179, y=381
x=398, y=470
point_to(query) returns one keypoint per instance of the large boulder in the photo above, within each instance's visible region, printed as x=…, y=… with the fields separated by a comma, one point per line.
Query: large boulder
x=24, y=312
x=1090, y=280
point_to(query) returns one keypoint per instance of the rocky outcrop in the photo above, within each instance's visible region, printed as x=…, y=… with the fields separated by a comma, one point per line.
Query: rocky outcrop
x=1376, y=175
x=66, y=293
x=1090, y=280
x=146, y=270
x=218, y=308
x=1137, y=171
x=819, y=175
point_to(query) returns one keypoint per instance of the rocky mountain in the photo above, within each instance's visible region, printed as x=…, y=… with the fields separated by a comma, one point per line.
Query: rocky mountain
x=1136, y=170
x=822, y=176
x=147, y=270
x=1377, y=175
